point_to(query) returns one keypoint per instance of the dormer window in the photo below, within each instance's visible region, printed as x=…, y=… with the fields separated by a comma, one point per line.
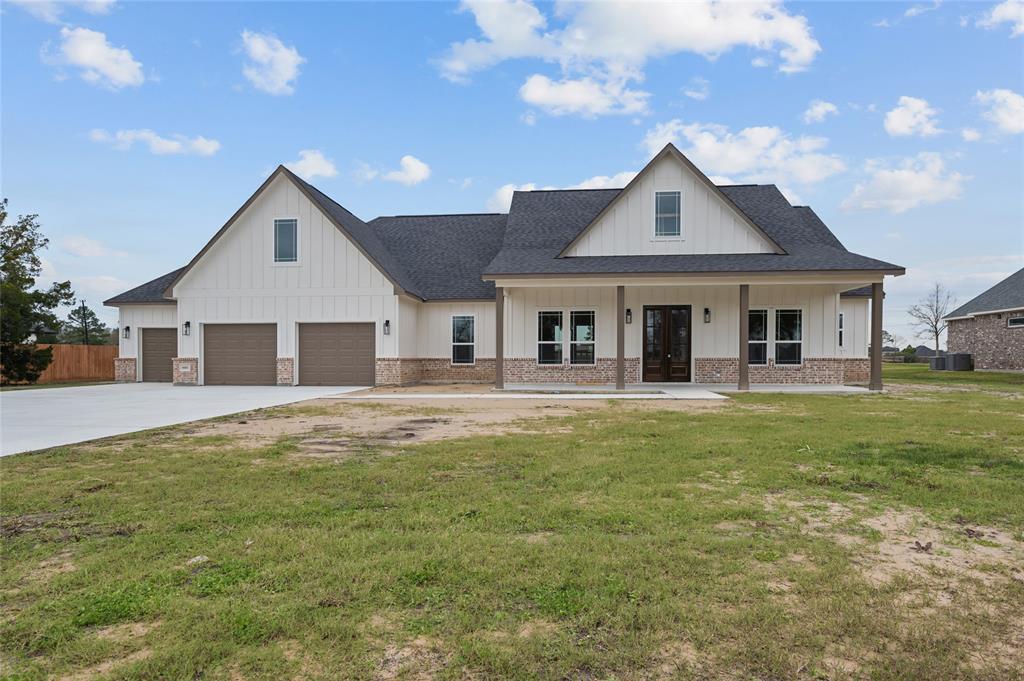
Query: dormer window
x=286, y=240
x=667, y=222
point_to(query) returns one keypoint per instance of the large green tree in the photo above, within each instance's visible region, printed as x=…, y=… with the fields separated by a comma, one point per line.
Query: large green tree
x=24, y=309
x=83, y=327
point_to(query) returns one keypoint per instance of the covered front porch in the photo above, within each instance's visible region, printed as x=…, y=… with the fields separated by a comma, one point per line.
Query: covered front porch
x=729, y=332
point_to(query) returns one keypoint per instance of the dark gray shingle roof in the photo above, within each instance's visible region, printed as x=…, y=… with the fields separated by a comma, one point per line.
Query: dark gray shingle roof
x=444, y=254
x=150, y=292
x=541, y=223
x=1006, y=295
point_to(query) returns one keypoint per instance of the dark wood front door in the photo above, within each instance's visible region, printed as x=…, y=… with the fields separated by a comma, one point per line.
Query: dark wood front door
x=667, y=343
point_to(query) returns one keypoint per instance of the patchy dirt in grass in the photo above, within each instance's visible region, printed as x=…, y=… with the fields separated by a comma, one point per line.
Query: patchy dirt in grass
x=542, y=537
x=307, y=666
x=537, y=629
x=107, y=666
x=672, y=660
x=128, y=631
x=906, y=390
x=59, y=564
x=419, y=659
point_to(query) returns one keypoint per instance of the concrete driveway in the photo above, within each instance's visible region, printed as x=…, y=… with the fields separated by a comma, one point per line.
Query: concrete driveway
x=50, y=417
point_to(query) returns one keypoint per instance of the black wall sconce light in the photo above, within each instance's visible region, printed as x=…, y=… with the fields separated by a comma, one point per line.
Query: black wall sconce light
x=629, y=316
x=387, y=327
x=707, y=315
x=186, y=328
x=127, y=333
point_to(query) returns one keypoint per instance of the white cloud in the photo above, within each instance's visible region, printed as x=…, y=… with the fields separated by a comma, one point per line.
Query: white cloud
x=760, y=63
x=529, y=117
x=99, y=62
x=699, y=89
x=272, y=66
x=51, y=10
x=1008, y=12
x=411, y=172
x=919, y=180
x=585, y=96
x=176, y=144
x=312, y=163
x=84, y=247
x=464, y=183
x=918, y=10
x=882, y=23
x=755, y=154
x=912, y=116
x=1005, y=109
x=501, y=199
x=601, y=48
x=101, y=284
x=819, y=110
x=970, y=135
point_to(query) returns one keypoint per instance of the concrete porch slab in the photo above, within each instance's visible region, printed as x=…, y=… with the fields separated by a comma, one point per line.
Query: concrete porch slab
x=798, y=388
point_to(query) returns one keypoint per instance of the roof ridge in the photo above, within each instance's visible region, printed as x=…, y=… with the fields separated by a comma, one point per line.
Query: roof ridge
x=587, y=189
x=436, y=215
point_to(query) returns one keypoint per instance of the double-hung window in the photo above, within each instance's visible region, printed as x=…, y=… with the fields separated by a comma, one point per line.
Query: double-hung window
x=667, y=221
x=286, y=240
x=549, y=337
x=757, y=336
x=463, y=339
x=582, y=337
x=789, y=336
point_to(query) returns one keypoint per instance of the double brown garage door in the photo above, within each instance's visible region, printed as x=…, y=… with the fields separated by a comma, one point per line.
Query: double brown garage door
x=329, y=354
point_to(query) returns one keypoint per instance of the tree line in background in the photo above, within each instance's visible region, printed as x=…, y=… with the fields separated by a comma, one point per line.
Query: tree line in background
x=28, y=315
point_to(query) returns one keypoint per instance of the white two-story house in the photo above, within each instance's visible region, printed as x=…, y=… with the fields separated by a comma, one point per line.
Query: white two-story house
x=668, y=279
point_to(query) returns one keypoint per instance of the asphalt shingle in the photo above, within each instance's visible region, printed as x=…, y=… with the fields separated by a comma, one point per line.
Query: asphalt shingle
x=1006, y=295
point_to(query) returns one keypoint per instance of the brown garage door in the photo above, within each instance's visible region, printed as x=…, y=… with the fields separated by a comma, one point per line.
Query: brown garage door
x=336, y=354
x=159, y=346
x=240, y=354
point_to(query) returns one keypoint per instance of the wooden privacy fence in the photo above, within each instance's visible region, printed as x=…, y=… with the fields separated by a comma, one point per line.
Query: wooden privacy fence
x=80, y=363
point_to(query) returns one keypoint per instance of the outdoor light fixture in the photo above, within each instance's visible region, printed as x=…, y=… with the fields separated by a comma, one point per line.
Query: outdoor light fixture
x=186, y=328
x=707, y=315
x=127, y=332
x=387, y=327
x=629, y=316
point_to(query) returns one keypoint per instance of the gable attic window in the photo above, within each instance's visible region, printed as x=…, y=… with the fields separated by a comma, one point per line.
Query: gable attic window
x=286, y=240
x=667, y=222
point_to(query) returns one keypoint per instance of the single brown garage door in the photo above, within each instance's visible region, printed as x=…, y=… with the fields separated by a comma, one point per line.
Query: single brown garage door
x=240, y=354
x=159, y=347
x=336, y=354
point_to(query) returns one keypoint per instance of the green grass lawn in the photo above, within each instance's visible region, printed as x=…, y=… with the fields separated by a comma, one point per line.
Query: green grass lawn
x=624, y=543
x=919, y=373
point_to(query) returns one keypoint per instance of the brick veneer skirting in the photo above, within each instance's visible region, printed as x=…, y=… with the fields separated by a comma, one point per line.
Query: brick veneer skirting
x=185, y=370
x=823, y=370
x=124, y=369
x=285, y=370
x=406, y=371
x=992, y=344
x=526, y=370
x=856, y=370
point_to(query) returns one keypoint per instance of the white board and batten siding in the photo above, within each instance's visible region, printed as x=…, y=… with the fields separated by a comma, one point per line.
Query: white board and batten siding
x=433, y=337
x=856, y=327
x=138, y=317
x=237, y=280
x=709, y=224
x=716, y=339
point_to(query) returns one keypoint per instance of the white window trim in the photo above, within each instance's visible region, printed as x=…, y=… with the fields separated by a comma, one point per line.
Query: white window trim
x=273, y=243
x=803, y=328
x=1015, y=326
x=654, y=217
x=769, y=352
x=572, y=342
x=451, y=335
x=539, y=342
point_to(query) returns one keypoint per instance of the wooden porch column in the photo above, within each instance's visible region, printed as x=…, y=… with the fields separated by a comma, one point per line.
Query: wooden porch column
x=620, y=338
x=876, y=336
x=744, y=382
x=499, y=338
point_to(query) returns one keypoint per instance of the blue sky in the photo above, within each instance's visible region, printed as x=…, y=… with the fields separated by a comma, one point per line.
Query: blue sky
x=135, y=129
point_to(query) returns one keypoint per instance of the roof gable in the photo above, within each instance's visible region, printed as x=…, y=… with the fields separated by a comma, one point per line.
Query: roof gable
x=354, y=229
x=1006, y=295
x=732, y=230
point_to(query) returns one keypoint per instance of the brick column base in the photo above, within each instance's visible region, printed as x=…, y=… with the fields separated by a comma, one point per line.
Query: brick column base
x=185, y=370
x=856, y=370
x=285, y=371
x=124, y=369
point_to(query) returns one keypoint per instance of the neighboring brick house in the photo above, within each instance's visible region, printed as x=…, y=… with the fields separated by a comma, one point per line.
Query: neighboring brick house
x=991, y=326
x=670, y=278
